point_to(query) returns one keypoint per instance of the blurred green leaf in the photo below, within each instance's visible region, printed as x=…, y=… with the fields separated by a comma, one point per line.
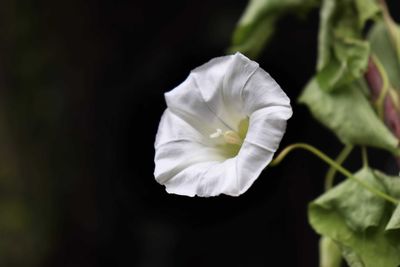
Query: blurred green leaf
x=329, y=253
x=257, y=23
x=342, y=52
x=382, y=47
x=347, y=112
x=356, y=219
x=367, y=9
x=352, y=259
x=391, y=183
x=349, y=64
x=250, y=39
x=346, y=197
x=324, y=35
x=394, y=222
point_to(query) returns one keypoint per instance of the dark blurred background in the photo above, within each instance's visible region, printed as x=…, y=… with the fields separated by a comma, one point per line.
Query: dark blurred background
x=81, y=95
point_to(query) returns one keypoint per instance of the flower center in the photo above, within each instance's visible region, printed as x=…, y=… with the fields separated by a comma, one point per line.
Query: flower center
x=230, y=137
x=233, y=137
x=233, y=140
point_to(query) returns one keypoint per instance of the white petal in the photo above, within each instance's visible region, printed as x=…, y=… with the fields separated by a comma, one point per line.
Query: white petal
x=173, y=127
x=187, y=102
x=269, y=109
x=212, y=94
x=218, y=95
x=179, y=145
x=210, y=176
x=251, y=161
x=221, y=82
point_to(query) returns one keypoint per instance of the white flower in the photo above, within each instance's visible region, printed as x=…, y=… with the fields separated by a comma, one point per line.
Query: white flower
x=221, y=128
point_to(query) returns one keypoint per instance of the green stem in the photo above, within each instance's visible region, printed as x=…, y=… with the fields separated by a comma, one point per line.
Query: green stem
x=364, y=156
x=332, y=163
x=385, y=86
x=330, y=175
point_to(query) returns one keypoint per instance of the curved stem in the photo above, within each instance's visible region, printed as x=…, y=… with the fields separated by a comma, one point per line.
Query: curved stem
x=332, y=163
x=330, y=175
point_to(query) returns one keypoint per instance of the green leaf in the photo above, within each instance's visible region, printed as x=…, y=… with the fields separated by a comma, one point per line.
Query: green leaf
x=250, y=39
x=342, y=52
x=347, y=112
x=349, y=64
x=257, y=23
x=352, y=259
x=347, y=196
x=356, y=220
x=394, y=222
x=367, y=9
x=391, y=183
x=382, y=47
x=324, y=35
x=353, y=53
x=329, y=253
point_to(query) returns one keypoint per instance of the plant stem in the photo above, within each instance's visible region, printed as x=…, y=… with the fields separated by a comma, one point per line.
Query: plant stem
x=364, y=156
x=383, y=95
x=332, y=163
x=378, y=82
x=330, y=175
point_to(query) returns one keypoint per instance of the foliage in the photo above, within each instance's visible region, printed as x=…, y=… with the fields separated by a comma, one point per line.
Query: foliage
x=354, y=93
x=257, y=24
x=332, y=109
x=366, y=232
x=384, y=50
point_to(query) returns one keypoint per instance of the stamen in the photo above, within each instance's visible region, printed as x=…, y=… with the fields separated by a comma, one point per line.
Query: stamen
x=217, y=134
x=233, y=138
x=230, y=137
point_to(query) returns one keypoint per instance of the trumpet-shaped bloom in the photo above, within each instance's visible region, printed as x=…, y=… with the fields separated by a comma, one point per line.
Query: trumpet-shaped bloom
x=221, y=128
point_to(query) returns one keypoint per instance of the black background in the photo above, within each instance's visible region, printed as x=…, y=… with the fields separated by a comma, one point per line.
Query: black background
x=82, y=94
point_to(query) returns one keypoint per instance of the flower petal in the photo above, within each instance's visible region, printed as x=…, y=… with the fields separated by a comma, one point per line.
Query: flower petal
x=219, y=95
x=179, y=145
x=221, y=82
x=197, y=170
x=213, y=93
x=268, y=108
x=187, y=102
